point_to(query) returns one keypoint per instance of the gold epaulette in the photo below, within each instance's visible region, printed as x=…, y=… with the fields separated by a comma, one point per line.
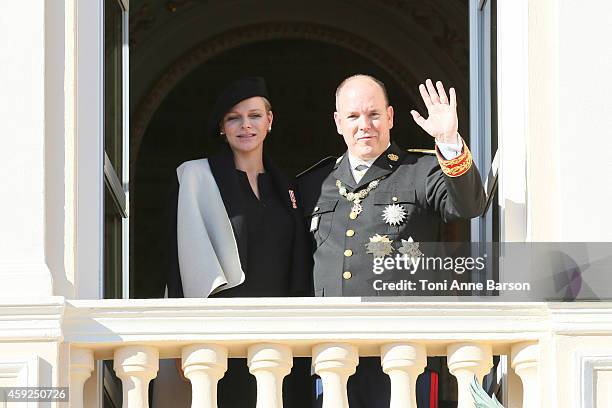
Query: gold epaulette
x=424, y=151
x=459, y=165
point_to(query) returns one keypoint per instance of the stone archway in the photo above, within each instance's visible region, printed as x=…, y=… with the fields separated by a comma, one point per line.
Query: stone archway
x=254, y=34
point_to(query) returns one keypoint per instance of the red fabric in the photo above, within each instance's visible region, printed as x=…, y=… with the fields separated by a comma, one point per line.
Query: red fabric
x=433, y=391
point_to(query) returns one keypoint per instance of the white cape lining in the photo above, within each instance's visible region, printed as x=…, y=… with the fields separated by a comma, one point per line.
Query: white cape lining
x=207, y=249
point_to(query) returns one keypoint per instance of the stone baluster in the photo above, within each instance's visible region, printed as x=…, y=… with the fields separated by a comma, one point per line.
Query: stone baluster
x=403, y=362
x=270, y=363
x=524, y=361
x=204, y=365
x=81, y=366
x=136, y=366
x=466, y=360
x=334, y=363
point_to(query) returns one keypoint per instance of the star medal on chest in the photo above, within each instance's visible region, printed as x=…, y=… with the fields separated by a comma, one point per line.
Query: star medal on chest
x=394, y=214
x=379, y=246
x=410, y=249
x=356, y=198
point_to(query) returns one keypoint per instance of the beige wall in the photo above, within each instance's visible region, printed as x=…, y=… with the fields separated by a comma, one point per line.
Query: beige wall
x=585, y=118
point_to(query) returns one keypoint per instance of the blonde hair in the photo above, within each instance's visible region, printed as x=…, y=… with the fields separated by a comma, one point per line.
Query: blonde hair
x=267, y=103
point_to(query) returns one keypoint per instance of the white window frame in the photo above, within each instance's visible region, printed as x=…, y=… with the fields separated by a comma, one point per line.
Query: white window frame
x=89, y=149
x=90, y=155
x=512, y=69
x=512, y=74
x=513, y=117
x=90, y=130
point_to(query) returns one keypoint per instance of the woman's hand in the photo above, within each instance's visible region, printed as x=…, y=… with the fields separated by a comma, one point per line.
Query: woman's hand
x=442, y=122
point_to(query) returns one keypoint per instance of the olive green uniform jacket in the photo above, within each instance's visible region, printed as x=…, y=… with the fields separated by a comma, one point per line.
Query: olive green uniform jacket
x=414, y=181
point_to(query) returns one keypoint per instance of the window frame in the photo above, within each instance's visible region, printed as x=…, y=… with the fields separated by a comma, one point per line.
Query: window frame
x=481, y=126
x=91, y=158
x=118, y=184
x=89, y=150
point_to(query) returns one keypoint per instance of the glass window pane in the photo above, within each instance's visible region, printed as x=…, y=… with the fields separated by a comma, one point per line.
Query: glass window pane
x=112, y=248
x=113, y=98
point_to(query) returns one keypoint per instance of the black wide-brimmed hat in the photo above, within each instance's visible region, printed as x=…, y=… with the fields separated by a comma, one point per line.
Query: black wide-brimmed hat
x=234, y=93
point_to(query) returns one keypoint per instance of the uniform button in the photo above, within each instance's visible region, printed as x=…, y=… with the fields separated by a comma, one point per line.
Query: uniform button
x=394, y=199
x=350, y=233
x=316, y=208
x=352, y=215
x=348, y=252
x=347, y=275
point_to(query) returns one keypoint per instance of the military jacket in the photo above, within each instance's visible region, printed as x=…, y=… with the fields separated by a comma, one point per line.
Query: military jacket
x=413, y=181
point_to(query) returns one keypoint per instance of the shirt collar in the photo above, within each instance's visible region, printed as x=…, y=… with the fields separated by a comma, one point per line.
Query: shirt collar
x=355, y=161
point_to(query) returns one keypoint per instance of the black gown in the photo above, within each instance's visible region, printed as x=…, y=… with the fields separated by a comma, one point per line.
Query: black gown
x=275, y=257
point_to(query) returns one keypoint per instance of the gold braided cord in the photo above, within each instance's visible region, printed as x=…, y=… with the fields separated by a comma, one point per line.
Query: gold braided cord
x=459, y=165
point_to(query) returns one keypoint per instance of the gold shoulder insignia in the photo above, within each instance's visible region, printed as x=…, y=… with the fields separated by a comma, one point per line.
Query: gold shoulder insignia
x=424, y=151
x=393, y=157
x=320, y=163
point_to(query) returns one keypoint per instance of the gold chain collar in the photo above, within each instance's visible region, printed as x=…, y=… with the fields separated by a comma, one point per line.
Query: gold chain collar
x=357, y=197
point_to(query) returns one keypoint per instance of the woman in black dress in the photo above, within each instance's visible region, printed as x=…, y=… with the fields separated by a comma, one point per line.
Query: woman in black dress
x=239, y=230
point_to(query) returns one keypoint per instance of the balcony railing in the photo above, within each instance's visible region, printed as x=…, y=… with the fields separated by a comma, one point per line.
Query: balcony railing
x=203, y=333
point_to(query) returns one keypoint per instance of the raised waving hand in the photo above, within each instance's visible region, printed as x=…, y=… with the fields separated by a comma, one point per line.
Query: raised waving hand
x=441, y=122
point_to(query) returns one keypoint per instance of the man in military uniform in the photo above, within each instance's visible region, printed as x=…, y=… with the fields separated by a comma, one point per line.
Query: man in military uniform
x=376, y=198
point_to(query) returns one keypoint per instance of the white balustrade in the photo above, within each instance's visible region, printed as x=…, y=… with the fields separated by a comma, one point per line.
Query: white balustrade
x=335, y=363
x=204, y=365
x=136, y=366
x=269, y=331
x=403, y=362
x=81, y=367
x=466, y=360
x=524, y=359
x=270, y=363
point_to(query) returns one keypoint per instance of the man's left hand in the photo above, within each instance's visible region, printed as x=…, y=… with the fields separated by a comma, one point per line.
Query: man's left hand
x=442, y=122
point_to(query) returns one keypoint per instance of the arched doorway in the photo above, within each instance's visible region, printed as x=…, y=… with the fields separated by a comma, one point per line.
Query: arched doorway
x=302, y=75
